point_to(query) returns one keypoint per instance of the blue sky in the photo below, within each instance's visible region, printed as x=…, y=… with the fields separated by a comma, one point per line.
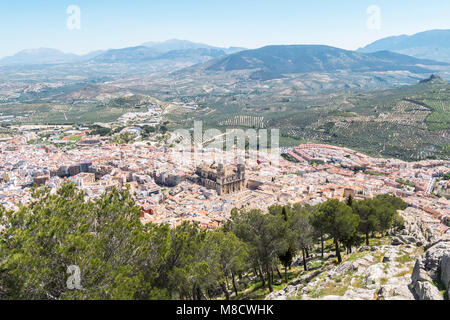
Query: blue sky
x=249, y=23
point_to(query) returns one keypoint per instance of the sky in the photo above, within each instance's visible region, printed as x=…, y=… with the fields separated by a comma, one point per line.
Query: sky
x=105, y=24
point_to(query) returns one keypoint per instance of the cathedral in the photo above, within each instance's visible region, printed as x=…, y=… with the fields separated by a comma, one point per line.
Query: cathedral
x=223, y=180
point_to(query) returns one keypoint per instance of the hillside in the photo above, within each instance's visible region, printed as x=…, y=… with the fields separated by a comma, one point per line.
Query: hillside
x=39, y=56
x=279, y=60
x=403, y=266
x=176, y=45
x=143, y=54
x=377, y=103
x=127, y=55
x=196, y=54
x=46, y=56
x=433, y=44
x=171, y=50
x=240, y=261
x=410, y=122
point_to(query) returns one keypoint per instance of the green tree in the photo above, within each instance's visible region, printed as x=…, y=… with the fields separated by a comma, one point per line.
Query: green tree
x=286, y=257
x=265, y=234
x=386, y=207
x=318, y=221
x=340, y=222
x=368, y=219
x=350, y=200
x=396, y=202
x=352, y=240
x=186, y=271
x=303, y=231
x=163, y=129
x=116, y=255
x=399, y=222
x=229, y=257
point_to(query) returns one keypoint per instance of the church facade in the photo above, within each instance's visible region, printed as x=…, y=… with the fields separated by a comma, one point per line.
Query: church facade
x=223, y=180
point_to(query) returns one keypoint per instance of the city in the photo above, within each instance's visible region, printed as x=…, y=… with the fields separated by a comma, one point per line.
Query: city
x=159, y=176
x=225, y=158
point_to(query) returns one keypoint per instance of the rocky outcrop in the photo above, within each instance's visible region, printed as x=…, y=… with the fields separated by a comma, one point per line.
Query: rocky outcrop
x=416, y=231
x=432, y=266
x=427, y=291
x=445, y=270
x=294, y=288
x=288, y=291
x=386, y=272
x=373, y=273
x=431, y=259
x=396, y=290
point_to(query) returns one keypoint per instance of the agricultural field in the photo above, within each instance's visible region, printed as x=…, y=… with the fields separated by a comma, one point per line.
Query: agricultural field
x=438, y=101
x=409, y=122
x=49, y=113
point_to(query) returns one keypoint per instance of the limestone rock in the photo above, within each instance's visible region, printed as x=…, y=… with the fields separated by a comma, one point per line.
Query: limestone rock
x=433, y=265
x=331, y=298
x=291, y=290
x=445, y=270
x=364, y=248
x=287, y=292
x=384, y=292
x=433, y=256
x=416, y=230
x=427, y=291
x=344, y=268
x=375, y=273
x=389, y=256
x=276, y=295
x=362, y=264
x=395, y=292
x=419, y=273
x=407, y=239
x=402, y=293
x=359, y=294
x=366, y=278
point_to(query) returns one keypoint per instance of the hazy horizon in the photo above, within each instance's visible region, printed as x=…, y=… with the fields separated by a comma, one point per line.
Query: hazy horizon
x=103, y=25
x=199, y=42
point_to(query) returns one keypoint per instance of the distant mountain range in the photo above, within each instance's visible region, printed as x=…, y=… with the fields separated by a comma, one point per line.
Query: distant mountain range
x=126, y=55
x=433, y=44
x=175, y=44
x=44, y=56
x=142, y=54
x=408, y=53
x=201, y=63
x=274, y=61
x=179, y=49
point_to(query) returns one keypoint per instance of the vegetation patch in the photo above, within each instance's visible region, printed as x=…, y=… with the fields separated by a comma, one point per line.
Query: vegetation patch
x=404, y=258
x=334, y=288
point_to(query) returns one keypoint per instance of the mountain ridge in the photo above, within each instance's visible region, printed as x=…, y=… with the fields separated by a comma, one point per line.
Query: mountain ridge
x=39, y=56
x=430, y=44
x=275, y=61
x=199, y=52
x=176, y=44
